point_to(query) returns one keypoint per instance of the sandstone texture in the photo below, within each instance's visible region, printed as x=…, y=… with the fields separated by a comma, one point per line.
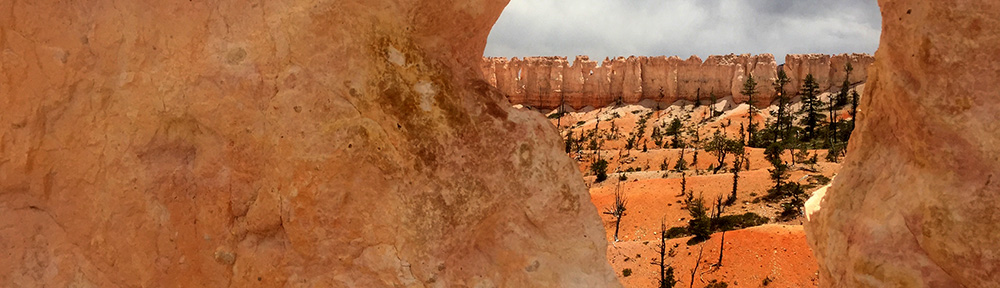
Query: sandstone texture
x=545, y=82
x=916, y=202
x=278, y=143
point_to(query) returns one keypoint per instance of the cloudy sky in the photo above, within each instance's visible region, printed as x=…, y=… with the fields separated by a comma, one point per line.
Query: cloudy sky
x=602, y=28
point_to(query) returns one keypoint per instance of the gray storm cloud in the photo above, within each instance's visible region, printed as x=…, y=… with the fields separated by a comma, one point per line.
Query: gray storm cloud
x=608, y=28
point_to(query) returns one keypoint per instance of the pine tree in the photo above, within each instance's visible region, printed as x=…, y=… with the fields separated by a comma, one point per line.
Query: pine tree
x=569, y=141
x=737, y=164
x=749, y=89
x=697, y=98
x=779, y=173
x=810, y=107
x=700, y=224
x=600, y=170
x=694, y=146
x=711, y=96
x=845, y=87
x=854, y=103
x=684, y=182
x=783, y=115
x=666, y=272
x=681, y=164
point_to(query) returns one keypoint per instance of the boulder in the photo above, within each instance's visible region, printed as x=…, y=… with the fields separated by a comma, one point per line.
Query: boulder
x=279, y=143
x=915, y=203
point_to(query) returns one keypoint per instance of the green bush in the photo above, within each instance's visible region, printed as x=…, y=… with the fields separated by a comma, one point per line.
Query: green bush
x=600, y=169
x=746, y=220
x=676, y=232
x=626, y=272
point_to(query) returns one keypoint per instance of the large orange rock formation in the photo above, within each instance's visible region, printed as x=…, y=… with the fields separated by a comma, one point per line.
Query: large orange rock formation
x=544, y=82
x=916, y=202
x=276, y=143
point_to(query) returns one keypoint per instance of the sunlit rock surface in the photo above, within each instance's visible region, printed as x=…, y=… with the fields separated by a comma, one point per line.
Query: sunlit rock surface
x=916, y=203
x=276, y=143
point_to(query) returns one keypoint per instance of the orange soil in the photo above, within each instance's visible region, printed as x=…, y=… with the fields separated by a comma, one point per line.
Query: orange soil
x=778, y=252
x=775, y=252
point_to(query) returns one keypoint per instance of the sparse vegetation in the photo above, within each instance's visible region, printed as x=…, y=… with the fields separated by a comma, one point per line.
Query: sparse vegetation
x=794, y=138
x=749, y=90
x=810, y=107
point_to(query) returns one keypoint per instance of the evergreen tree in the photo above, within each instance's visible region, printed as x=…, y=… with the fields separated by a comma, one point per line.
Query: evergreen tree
x=695, y=145
x=854, y=103
x=666, y=272
x=711, y=96
x=681, y=164
x=675, y=130
x=700, y=224
x=810, y=107
x=845, y=87
x=749, y=89
x=569, y=141
x=783, y=116
x=737, y=164
x=721, y=146
x=684, y=182
x=697, y=98
x=600, y=169
x=779, y=173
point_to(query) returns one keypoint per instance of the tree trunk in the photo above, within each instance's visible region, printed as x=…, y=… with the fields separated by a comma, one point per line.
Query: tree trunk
x=722, y=247
x=617, y=223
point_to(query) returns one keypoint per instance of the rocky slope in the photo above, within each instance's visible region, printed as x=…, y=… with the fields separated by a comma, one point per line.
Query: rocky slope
x=915, y=204
x=544, y=82
x=280, y=143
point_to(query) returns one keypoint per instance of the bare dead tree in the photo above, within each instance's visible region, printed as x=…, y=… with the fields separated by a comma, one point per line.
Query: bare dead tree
x=666, y=272
x=617, y=209
x=696, y=264
x=721, y=247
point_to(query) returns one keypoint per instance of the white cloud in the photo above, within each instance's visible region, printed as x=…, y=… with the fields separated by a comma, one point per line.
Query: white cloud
x=608, y=28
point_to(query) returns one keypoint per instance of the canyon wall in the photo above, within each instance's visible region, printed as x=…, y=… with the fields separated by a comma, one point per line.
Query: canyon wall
x=916, y=203
x=298, y=143
x=544, y=82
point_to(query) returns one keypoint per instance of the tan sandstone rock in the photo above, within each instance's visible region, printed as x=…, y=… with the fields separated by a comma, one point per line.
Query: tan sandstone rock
x=916, y=202
x=545, y=82
x=277, y=143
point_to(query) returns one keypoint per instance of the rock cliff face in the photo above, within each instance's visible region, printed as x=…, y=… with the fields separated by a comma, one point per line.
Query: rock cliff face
x=915, y=205
x=544, y=82
x=276, y=143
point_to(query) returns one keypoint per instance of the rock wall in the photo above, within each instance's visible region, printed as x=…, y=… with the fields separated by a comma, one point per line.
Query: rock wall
x=278, y=143
x=915, y=204
x=544, y=82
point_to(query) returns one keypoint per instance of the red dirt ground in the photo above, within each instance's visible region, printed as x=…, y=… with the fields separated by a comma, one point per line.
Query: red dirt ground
x=777, y=252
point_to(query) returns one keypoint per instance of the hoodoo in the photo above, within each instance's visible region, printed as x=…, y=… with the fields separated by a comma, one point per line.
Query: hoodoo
x=547, y=82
